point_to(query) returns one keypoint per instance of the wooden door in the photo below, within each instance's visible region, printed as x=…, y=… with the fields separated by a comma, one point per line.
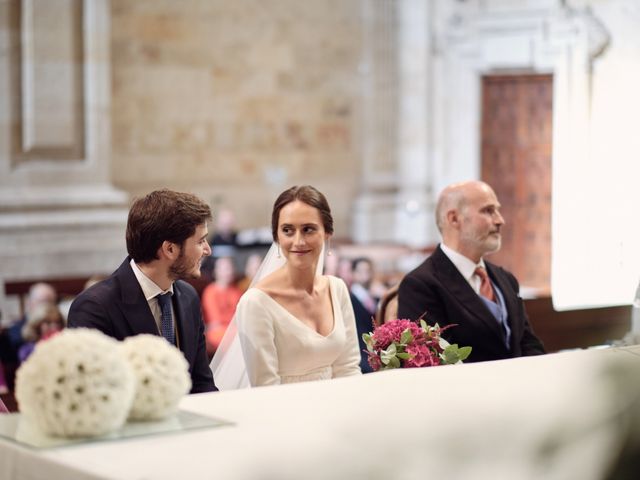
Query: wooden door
x=516, y=162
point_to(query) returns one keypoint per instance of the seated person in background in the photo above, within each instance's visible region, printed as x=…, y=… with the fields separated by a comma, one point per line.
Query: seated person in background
x=166, y=241
x=224, y=241
x=250, y=269
x=362, y=280
x=345, y=270
x=43, y=322
x=364, y=304
x=338, y=266
x=3, y=346
x=456, y=285
x=219, y=300
x=4, y=388
x=294, y=324
x=65, y=304
x=11, y=339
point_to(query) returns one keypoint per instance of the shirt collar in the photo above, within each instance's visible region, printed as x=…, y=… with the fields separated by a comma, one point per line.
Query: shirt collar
x=149, y=288
x=465, y=266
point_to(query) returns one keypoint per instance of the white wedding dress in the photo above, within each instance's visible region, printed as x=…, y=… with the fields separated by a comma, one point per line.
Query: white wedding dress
x=265, y=344
x=279, y=348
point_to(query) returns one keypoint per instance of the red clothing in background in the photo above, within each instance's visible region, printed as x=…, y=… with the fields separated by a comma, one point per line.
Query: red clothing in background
x=218, y=307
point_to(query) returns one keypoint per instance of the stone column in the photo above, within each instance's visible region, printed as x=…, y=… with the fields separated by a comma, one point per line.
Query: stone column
x=59, y=214
x=395, y=204
x=414, y=206
x=374, y=210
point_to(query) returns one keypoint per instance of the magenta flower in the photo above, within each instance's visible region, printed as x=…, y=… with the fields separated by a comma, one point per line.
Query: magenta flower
x=374, y=361
x=390, y=332
x=421, y=356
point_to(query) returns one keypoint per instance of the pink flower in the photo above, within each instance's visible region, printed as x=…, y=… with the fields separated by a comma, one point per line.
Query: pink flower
x=421, y=356
x=374, y=361
x=390, y=332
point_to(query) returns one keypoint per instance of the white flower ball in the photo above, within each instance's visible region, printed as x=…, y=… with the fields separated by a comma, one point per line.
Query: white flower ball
x=162, y=376
x=76, y=384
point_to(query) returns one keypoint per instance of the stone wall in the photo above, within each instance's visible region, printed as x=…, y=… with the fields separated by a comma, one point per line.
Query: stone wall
x=236, y=101
x=60, y=216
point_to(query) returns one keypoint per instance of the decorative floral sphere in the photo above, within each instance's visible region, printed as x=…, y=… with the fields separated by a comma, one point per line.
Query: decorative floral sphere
x=162, y=376
x=76, y=384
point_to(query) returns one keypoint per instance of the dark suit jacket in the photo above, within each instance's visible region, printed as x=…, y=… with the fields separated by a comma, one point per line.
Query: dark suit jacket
x=117, y=307
x=10, y=342
x=364, y=324
x=437, y=288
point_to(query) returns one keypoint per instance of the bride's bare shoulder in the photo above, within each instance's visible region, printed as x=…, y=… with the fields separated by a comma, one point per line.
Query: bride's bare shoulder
x=270, y=284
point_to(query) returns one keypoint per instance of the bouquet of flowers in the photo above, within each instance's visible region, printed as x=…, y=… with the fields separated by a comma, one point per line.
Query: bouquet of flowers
x=403, y=343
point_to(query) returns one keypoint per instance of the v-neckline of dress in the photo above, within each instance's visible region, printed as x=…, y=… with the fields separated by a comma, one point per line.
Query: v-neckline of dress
x=300, y=322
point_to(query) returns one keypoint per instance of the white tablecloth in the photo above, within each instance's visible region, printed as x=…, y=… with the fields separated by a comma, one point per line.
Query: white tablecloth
x=552, y=417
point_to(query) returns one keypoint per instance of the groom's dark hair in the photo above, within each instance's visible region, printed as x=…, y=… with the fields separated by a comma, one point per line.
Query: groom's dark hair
x=162, y=215
x=306, y=194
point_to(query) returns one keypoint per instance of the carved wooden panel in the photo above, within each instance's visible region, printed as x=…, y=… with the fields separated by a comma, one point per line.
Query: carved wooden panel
x=516, y=161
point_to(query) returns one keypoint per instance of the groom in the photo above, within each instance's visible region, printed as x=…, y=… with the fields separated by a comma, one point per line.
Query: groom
x=167, y=241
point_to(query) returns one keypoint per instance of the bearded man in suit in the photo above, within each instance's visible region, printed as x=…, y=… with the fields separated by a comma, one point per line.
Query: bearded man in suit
x=166, y=241
x=456, y=285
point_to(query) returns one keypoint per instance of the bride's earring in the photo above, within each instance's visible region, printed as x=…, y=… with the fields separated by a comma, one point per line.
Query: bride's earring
x=278, y=251
x=329, y=251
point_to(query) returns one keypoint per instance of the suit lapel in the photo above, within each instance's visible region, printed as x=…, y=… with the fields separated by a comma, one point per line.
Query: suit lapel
x=135, y=309
x=460, y=289
x=184, y=326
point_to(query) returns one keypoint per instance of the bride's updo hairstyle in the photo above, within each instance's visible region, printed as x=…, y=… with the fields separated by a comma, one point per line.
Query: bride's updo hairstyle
x=306, y=194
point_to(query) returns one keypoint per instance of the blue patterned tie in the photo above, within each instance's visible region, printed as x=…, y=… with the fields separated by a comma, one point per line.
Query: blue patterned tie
x=166, y=322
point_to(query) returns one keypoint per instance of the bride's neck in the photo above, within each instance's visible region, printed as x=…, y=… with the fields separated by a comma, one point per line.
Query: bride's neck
x=301, y=279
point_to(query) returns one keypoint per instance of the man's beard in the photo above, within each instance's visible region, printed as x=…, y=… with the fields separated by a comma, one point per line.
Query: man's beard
x=487, y=245
x=180, y=270
x=493, y=244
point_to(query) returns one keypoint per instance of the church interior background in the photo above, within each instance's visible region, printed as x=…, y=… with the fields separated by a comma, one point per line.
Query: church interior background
x=378, y=103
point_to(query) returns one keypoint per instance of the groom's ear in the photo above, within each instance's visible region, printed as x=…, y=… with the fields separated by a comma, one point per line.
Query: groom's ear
x=169, y=250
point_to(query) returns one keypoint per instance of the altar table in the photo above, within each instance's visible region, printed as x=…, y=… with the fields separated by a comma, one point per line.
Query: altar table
x=559, y=416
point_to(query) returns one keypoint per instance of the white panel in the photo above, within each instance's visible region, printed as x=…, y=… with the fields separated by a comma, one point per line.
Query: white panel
x=50, y=85
x=508, y=50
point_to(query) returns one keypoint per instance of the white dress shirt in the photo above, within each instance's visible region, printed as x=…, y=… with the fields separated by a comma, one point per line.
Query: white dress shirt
x=465, y=266
x=151, y=292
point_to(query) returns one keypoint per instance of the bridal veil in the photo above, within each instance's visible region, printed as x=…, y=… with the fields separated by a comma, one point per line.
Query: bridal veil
x=228, y=364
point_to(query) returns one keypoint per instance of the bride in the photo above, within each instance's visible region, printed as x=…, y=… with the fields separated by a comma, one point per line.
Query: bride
x=294, y=324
